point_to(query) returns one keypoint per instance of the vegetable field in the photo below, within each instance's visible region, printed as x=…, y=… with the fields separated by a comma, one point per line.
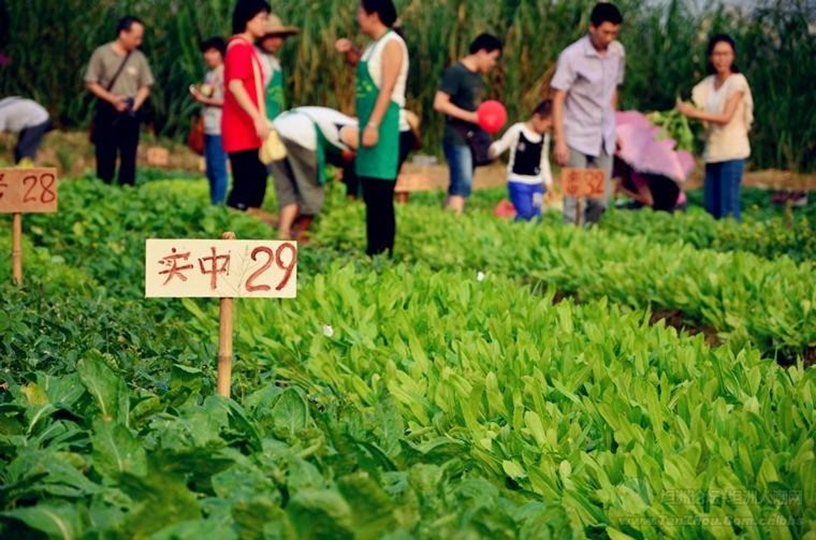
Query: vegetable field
x=494, y=380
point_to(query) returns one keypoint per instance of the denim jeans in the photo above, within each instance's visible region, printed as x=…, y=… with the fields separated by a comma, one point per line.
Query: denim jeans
x=460, y=163
x=216, y=160
x=722, y=188
x=527, y=199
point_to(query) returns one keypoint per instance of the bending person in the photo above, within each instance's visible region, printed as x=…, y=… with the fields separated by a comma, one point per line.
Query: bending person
x=30, y=120
x=314, y=137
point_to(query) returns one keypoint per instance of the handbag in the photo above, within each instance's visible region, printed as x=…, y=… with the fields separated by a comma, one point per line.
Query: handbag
x=272, y=149
x=108, y=88
x=479, y=142
x=196, y=139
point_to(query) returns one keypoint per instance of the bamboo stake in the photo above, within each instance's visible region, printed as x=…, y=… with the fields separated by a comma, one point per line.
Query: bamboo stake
x=225, y=340
x=17, y=249
x=579, y=211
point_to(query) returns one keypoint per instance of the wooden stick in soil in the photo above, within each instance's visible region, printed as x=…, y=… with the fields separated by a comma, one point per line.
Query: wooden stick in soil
x=225, y=341
x=579, y=211
x=17, y=249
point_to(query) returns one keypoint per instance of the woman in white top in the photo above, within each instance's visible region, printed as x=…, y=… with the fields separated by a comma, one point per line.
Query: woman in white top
x=381, y=78
x=724, y=102
x=409, y=122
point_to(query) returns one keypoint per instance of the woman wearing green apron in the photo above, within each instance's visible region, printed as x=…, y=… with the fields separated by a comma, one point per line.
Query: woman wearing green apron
x=381, y=79
x=268, y=47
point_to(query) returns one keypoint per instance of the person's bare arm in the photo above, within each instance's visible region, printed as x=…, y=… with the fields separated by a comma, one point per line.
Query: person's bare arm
x=561, y=148
x=722, y=119
x=350, y=136
x=392, y=64
x=345, y=47
x=443, y=104
x=99, y=91
x=141, y=97
x=245, y=102
x=615, y=100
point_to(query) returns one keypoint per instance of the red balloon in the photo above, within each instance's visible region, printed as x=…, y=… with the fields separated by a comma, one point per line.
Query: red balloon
x=492, y=116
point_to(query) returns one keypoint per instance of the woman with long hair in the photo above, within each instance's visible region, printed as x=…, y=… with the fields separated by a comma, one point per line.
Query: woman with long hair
x=724, y=102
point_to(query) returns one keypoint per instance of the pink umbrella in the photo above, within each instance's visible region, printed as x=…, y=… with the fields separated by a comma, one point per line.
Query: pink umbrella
x=641, y=150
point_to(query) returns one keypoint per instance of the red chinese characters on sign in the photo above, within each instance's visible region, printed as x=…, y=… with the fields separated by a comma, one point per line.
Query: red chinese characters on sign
x=220, y=269
x=212, y=267
x=27, y=191
x=583, y=183
x=171, y=262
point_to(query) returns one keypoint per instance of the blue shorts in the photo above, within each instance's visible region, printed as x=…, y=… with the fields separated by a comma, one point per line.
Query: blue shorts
x=528, y=199
x=460, y=163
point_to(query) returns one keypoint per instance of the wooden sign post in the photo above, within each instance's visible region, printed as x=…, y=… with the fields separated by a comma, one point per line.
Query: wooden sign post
x=25, y=191
x=225, y=334
x=225, y=269
x=582, y=183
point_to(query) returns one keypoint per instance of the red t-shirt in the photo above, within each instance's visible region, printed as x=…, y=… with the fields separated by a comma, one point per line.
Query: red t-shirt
x=237, y=128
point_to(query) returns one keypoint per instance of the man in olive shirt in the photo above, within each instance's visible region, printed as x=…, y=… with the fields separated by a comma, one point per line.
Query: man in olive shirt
x=457, y=98
x=120, y=78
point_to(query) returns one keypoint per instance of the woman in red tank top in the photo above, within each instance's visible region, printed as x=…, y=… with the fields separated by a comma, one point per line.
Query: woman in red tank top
x=243, y=127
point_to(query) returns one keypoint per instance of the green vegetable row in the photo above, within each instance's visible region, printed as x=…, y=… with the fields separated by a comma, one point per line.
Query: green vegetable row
x=770, y=238
x=747, y=299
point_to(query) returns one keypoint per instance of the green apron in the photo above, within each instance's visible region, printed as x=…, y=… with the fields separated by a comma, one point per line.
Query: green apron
x=379, y=161
x=275, y=101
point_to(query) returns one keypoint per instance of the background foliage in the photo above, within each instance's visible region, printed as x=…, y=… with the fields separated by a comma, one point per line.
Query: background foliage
x=50, y=42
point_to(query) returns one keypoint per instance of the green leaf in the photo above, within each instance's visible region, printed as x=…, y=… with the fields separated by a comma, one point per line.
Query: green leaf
x=262, y=518
x=58, y=522
x=195, y=530
x=372, y=508
x=513, y=470
x=103, y=384
x=391, y=424
x=320, y=513
x=160, y=500
x=291, y=411
x=116, y=450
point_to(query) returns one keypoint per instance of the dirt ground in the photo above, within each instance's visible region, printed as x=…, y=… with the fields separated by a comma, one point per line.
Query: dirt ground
x=72, y=154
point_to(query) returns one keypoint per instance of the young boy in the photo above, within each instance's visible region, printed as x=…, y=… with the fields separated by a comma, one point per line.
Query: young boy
x=211, y=96
x=458, y=97
x=529, y=168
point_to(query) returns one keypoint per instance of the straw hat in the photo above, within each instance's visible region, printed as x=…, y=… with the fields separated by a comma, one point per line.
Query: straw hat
x=274, y=27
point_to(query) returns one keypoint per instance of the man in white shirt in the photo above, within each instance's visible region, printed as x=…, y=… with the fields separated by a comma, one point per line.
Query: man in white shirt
x=30, y=120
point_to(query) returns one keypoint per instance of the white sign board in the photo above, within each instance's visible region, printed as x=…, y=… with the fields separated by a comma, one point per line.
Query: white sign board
x=220, y=269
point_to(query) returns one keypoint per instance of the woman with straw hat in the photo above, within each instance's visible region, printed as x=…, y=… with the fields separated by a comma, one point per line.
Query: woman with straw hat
x=268, y=47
